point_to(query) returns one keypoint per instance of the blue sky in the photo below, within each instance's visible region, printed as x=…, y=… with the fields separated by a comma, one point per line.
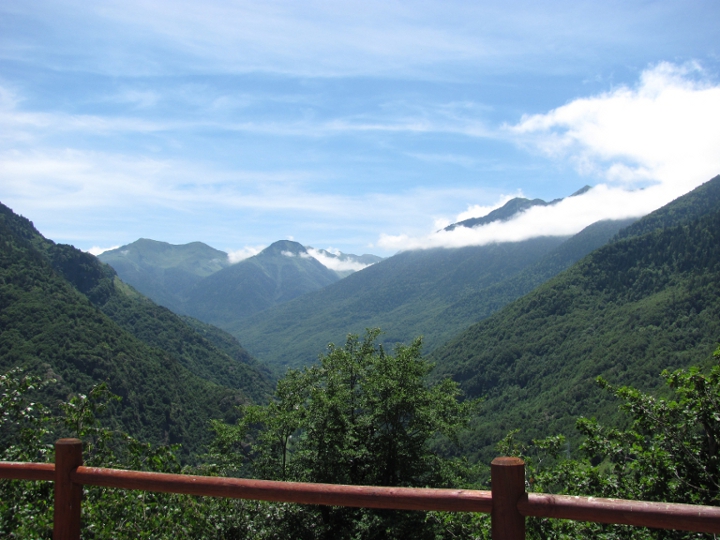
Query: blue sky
x=362, y=126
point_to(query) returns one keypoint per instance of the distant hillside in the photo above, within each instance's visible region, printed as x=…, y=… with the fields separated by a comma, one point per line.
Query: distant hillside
x=279, y=273
x=65, y=314
x=436, y=293
x=183, y=277
x=163, y=271
x=483, y=303
x=648, y=301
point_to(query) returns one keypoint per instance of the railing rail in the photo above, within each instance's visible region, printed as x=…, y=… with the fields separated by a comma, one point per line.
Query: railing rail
x=507, y=503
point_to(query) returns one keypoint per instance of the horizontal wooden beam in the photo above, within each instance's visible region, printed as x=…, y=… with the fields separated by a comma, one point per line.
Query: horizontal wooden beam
x=685, y=517
x=396, y=498
x=612, y=511
x=13, y=470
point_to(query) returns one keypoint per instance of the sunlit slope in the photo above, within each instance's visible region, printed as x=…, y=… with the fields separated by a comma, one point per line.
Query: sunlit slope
x=646, y=302
x=165, y=272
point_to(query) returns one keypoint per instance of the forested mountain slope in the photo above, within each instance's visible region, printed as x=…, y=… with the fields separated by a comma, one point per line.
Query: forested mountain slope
x=57, y=306
x=162, y=271
x=282, y=271
x=483, y=303
x=648, y=301
x=412, y=293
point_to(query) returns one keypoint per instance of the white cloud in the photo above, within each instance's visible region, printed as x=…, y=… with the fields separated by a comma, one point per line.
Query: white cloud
x=649, y=145
x=332, y=259
x=565, y=218
x=664, y=131
x=95, y=250
x=477, y=210
x=237, y=255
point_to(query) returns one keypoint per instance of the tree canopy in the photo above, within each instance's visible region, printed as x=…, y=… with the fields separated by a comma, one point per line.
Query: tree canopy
x=360, y=416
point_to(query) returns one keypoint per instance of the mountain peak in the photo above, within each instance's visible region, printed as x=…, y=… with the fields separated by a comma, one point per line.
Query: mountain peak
x=509, y=210
x=283, y=247
x=504, y=213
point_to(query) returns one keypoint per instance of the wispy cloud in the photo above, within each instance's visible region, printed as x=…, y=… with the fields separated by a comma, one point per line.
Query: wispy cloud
x=317, y=38
x=195, y=114
x=237, y=255
x=96, y=250
x=331, y=259
x=109, y=189
x=663, y=136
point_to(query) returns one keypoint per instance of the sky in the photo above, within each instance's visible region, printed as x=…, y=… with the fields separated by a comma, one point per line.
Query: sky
x=361, y=126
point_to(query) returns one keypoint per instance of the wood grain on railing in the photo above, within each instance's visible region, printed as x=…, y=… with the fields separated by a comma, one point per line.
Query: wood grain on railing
x=684, y=517
x=14, y=470
x=507, y=475
x=396, y=498
x=68, y=494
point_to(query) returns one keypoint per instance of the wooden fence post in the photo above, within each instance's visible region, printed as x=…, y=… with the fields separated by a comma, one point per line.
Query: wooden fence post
x=68, y=457
x=507, y=476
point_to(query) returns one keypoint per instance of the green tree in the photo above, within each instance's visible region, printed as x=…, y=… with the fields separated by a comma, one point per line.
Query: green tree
x=360, y=416
x=667, y=453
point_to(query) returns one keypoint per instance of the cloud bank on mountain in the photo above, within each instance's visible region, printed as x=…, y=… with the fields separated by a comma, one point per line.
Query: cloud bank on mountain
x=649, y=144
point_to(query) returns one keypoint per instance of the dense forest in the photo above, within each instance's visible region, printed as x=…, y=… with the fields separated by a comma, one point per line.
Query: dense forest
x=363, y=416
x=65, y=316
x=646, y=302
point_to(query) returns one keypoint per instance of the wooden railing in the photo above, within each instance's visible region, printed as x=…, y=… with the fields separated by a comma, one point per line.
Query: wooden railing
x=507, y=503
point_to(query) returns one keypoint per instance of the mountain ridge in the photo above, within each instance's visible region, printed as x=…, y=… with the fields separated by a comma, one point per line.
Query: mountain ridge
x=405, y=295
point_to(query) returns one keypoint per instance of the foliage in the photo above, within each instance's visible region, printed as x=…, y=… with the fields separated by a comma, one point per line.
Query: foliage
x=345, y=421
x=26, y=508
x=667, y=453
x=64, y=315
x=361, y=416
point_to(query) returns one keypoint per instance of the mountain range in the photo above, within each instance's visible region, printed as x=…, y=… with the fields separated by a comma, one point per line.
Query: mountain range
x=528, y=326
x=197, y=280
x=435, y=293
x=286, y=306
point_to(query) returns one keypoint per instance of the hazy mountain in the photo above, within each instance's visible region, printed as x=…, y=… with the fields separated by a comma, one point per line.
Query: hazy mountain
x=436, y=293
x=66, y=315
x=162, y=271
x=647, y=301
x=279, y=273
x=170, y=275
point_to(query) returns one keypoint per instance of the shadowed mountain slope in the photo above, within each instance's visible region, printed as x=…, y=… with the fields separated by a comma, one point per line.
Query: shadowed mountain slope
x=162, y=271
x=66, y=315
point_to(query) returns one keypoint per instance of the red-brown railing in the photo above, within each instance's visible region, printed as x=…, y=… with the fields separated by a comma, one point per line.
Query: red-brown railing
x=507, y=503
